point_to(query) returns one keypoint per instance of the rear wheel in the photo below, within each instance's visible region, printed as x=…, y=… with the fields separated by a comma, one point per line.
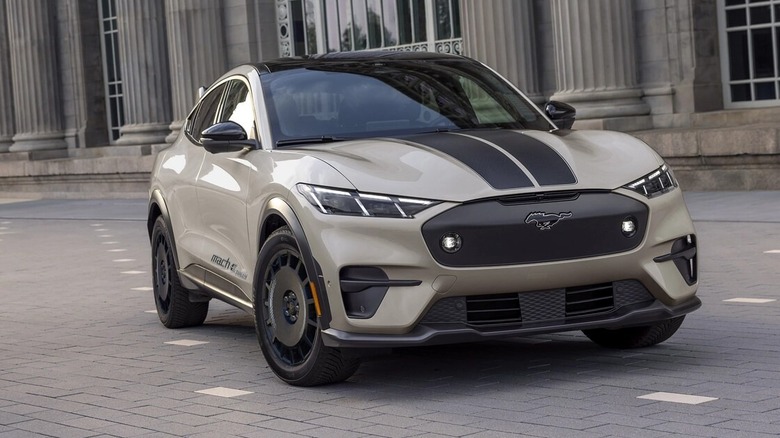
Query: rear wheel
x=286, y=318
x=172, y=300
x=635, y=337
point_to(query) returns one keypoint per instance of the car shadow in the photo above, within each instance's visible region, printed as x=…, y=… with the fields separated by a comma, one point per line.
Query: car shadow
x=564, y=360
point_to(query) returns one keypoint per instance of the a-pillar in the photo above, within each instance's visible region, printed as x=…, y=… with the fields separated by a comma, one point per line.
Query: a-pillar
x=500, y=33
x=596, y=63
x=196, y=49
x=146, y=79
x=36, y=87
x=6, y=88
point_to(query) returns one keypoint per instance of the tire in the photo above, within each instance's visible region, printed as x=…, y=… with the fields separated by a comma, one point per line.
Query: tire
x=171, y=299
x=635, y=337
x=286, y=321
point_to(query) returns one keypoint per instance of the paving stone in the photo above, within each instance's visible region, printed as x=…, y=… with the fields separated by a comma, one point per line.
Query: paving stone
x=751, y=426
x=16, y=433
x=447, y=429
x=394, y=420
x=241, y=417
x=7, y=418
x=271, y=433
x=293, y=414
x=53, y=429
x=388, y=431
x=283, y=425
x=339, y=423
x=617, y=430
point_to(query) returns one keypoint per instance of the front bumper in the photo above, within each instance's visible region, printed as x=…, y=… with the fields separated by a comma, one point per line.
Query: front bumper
x=416, y=281
x=437, y=334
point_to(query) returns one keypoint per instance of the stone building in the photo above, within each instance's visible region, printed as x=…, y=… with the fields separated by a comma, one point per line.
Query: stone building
x=90, y=90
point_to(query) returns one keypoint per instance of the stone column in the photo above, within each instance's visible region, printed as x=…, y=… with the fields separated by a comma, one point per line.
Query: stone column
x=196, y=50
x=595, y=59
x=83, y=89
x=6, y=87
x=500, y=33
x=146, y=78
x=36, y=87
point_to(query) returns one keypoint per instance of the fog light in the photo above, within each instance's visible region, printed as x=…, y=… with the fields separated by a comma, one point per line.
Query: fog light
x=450, y=242
x=628, y=227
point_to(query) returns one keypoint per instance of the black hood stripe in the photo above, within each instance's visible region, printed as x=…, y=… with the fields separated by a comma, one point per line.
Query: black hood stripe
x=488, y=162
x=543, y=162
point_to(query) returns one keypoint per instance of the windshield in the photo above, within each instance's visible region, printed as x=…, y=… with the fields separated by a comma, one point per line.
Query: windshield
x=328, y=101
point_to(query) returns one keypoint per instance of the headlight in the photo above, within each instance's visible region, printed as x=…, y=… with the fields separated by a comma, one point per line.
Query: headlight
x=353, y=203
x=655, y=183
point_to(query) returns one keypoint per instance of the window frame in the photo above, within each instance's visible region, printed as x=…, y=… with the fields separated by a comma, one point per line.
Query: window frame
x=725, y=56
x=231, y=82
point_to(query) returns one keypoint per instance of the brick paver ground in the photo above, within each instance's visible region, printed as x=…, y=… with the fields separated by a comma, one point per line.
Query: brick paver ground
x=80, y=356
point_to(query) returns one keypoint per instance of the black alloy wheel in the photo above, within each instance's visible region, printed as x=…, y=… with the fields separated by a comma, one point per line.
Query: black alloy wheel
x=286, y=319
x=171, y=299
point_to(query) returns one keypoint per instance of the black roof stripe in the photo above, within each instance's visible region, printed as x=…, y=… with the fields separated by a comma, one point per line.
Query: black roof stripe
x=544, y=163
x=488, y=162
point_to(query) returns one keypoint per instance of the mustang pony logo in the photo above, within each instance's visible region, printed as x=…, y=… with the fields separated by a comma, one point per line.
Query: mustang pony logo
x=545, y=221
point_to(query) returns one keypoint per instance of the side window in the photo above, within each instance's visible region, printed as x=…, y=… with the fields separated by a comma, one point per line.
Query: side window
x=206, y=113
x=238, y=107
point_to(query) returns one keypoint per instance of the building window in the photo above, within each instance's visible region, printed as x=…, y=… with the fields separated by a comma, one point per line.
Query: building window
x=112, y=75
x=321, y=26
x=750, y=48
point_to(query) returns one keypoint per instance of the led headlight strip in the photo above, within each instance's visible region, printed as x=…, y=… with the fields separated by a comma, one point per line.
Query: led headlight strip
x=353, y=203
x=654, y=183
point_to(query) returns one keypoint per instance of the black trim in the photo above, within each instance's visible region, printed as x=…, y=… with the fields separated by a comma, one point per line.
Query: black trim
x=686, y=254
x=542, y=161
x=352, y=286
x=683, y=255
x=488, y=162
x=156, y=199
x=364, y=287
x=628, y=316
x=281, y=208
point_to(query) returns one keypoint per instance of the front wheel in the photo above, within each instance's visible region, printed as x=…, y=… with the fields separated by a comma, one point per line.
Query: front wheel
x=286, y=318
x=635, y=337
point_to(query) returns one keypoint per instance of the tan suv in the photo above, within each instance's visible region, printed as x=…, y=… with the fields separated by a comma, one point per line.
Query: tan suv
x=377, y=199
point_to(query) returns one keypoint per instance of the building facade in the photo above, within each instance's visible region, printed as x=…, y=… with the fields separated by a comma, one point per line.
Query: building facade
x=90, y=89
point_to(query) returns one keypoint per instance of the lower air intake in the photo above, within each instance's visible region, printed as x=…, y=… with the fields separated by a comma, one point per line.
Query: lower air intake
x=493, y=309
x=589, y=299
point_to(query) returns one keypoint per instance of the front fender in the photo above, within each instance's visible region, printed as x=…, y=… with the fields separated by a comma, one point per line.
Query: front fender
x=278, y=207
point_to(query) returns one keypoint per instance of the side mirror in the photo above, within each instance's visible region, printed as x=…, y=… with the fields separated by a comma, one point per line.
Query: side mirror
x=561, y=113
x=225, y=137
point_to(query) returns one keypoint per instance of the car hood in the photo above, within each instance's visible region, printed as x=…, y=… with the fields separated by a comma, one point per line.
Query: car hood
x=465, y=165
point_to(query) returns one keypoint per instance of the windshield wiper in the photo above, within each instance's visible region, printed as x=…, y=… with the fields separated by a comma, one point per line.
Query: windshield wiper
x=306, y=140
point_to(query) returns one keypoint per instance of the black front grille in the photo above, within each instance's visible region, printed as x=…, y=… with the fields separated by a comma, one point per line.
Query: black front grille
x=514, y=230
x=589, y=299
x=493, y=309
